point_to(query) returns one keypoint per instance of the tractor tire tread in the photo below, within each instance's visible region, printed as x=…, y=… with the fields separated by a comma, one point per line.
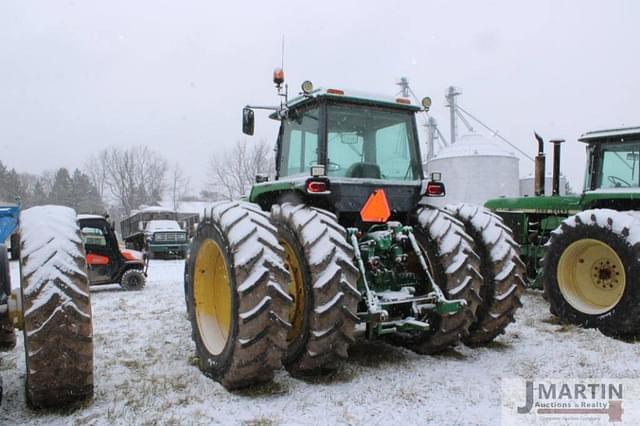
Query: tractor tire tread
x=501, y=268
x=57, y=308
x=334, y=280
x=251, y=244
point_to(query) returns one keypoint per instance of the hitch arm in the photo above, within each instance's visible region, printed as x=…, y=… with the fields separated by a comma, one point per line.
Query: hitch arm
x=437, y=292
x=370, y=299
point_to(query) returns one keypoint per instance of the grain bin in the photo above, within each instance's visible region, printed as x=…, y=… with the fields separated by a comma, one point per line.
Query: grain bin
x=476, y=168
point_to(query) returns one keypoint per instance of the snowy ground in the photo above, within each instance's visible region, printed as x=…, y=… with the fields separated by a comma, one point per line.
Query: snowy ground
x=145, y=372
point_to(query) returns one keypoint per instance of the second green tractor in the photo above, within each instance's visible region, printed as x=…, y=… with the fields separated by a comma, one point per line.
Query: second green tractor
x=344, y=238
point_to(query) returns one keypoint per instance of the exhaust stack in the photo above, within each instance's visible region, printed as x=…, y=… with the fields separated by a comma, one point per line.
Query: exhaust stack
x=539, y=171
x=556, y=165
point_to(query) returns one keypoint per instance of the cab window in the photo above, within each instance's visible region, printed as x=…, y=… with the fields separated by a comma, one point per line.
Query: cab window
x=373, y=143
x=299, y=143
x=93, y=236
x=620, y=166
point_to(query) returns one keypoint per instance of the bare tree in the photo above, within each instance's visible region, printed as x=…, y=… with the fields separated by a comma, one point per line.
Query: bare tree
x=133, y=176
x=96, y=169
x=232, y=173
x=178, y=185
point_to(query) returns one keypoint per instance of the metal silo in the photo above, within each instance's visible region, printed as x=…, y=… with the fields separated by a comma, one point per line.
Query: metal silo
x=475, y=169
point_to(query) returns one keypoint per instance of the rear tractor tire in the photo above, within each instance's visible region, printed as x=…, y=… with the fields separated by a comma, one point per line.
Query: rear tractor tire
x=591, y=272
x=455, y=268
x=57, y=310
x=501, y=268
x=323, y=287
x=236, y=291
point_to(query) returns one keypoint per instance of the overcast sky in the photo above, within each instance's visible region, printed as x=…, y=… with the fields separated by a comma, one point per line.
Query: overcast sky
x=77, y=76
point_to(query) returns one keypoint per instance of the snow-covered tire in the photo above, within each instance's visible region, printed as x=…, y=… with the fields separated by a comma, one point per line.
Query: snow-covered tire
x=599, y=248
x=323, y=327
x=236, y=294
x=455, y=268
x=133, y=280
x=7, y=332
x=57, y=328
x=501, y=268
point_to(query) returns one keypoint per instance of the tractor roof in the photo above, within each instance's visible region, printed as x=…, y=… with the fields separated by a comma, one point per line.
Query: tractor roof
x=90, y=216
x=357, y=97
x=610, y=135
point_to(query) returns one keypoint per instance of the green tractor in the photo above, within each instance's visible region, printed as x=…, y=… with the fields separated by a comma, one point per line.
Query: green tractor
x=583, y=250
x=344, y=236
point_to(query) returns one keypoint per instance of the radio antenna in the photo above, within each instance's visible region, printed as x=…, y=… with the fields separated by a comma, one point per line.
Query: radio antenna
x=282, y=61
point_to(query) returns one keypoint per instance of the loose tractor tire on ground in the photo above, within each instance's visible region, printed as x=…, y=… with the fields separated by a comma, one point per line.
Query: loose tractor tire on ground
x=51, y=305
x=343, y=238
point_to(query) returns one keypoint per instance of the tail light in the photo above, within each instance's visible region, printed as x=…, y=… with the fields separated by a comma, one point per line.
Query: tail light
x=316, y=186
x=435, y=189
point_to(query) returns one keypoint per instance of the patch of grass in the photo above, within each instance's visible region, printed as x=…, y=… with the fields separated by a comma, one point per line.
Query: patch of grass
x=194, y=360
x=260, y=421
x=566, y=327
x=264, y=389
x=498, y=346
x=133, y=364
x=553, y=320
x=344, y=374
x=375, y=353
x=450, y=353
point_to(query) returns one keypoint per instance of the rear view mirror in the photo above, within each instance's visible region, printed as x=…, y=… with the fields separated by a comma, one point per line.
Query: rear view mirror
x=349, y=138
x=247, y=121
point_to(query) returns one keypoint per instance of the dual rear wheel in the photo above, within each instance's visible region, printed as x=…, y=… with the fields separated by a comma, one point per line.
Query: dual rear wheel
x=265, y=290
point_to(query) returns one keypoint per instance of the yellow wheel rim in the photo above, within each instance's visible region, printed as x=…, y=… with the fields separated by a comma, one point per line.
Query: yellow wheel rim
x=212, y=294
x=296, y=291
x=591, y=276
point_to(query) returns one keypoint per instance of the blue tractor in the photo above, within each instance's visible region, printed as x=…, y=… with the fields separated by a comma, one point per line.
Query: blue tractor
x=9, y=216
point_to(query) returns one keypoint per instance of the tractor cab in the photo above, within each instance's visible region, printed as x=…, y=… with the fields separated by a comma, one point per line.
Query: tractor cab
x=335, y=148
x=107, y=263
x=613, y=161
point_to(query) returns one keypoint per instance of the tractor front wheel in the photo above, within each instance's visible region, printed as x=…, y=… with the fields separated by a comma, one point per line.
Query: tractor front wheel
x=236, y=294
x=323, y=287
x=591, y=272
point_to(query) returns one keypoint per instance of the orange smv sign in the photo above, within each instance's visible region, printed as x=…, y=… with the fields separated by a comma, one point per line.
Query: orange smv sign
x=376, y=209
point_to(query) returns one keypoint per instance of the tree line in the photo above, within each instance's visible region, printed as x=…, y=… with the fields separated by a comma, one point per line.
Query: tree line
x=73, y=189
x=119, y=180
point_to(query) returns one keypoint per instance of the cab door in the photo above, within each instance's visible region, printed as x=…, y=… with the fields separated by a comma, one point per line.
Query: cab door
x=101, y=257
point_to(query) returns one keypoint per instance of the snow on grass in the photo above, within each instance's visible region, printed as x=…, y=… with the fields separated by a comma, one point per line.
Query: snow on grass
x=146, y=372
